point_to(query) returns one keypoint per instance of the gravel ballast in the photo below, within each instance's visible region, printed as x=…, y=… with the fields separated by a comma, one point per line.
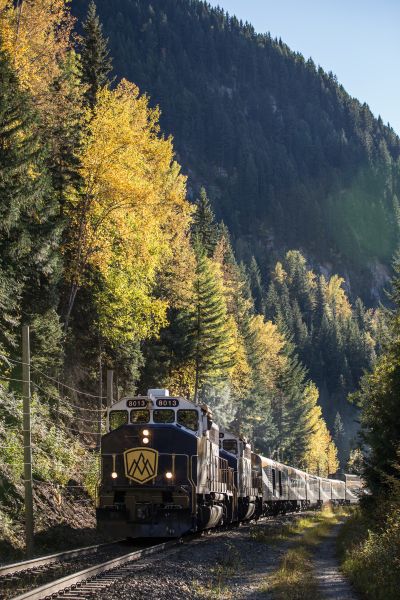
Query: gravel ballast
x=225, y=564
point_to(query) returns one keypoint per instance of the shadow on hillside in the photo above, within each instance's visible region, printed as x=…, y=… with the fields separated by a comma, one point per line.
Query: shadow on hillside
x=52, y=540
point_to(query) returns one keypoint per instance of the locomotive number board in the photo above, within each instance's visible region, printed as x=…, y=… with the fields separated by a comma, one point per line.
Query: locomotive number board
x=136, y=403
x=167, y=402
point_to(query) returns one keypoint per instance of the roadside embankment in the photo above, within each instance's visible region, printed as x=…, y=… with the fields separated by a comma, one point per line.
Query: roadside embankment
x=369, y=548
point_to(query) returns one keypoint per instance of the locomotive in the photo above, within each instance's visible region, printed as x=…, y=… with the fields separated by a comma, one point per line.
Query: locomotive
x=168, y=469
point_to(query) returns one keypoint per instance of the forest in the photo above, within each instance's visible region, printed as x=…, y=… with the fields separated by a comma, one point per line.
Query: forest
x=289, y=158
x=118, y=257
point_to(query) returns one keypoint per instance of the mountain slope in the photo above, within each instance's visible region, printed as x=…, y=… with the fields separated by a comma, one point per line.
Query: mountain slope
x=290, y=160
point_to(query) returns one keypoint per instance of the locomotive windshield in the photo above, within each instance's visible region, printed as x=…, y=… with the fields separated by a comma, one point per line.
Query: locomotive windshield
x=140, y=416
x=164, y=416
x=189, y=419
x=118, y=418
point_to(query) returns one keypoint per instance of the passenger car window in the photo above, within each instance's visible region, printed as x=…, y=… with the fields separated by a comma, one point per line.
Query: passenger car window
x=140, y=416
x=163, y=416
x=189, y=419
x=118, y=418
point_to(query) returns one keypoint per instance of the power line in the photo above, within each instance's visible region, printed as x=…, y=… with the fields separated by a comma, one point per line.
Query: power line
x=69, y=403
x=12, y=379
x=57, y=381
x=68, y=386
x=77, y=418
x=82, y=432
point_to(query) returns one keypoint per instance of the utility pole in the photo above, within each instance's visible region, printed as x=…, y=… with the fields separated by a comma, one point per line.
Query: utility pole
x=110, y=377
x=26, y=389
x=100, y=399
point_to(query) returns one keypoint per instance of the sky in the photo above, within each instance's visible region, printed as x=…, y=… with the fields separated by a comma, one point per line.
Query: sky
x=358, y=40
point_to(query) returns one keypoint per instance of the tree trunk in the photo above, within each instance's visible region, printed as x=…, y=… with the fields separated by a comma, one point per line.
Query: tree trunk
x=71, y=300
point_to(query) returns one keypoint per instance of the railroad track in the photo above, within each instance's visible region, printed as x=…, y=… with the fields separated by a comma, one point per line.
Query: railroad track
x=21, y=576
x=85, y=584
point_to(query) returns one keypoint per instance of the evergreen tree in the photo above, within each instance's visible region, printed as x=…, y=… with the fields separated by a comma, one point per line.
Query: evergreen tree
x=64, y=129
x=256, y=286
x=96, y=61
x=208, y=336
x=339, y=438
x=291, y=410
x=204, y=228
x=282, y=170
x=29, y=235
x=379, y=401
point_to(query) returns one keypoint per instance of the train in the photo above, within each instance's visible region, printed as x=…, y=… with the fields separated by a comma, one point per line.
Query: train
x=167, y=469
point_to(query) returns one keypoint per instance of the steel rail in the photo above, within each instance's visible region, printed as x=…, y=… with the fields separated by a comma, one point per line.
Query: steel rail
x=27, y=565
x=65, y=583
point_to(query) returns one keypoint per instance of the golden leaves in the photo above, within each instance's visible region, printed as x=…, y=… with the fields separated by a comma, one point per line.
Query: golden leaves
x=321, y=455
x=37, y=36
x=269, y=346
x=131, y=214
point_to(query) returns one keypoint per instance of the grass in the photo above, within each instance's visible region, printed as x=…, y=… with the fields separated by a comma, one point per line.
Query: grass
x=311, y=527
x=294, y=579
x=228, y=563
x=370, y=555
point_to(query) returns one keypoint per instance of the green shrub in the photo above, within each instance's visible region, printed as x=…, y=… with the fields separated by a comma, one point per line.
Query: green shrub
x=370, y=552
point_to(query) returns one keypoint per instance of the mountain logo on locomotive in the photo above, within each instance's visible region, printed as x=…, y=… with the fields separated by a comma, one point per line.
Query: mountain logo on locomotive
x=141, y=464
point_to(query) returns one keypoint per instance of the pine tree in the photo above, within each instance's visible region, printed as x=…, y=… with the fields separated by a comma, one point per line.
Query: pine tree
x=339, y=437
x=256, y=286
x=379, y=401
x=96, y=61
x=29, y=235
x=208, y=338
x=291, y=408
x=64, y=127
x=204, y=228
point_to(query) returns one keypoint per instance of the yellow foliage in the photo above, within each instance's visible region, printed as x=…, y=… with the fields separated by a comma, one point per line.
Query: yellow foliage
x=279, y=274
x=269, y=345
x=37, y=36
x=311, y=280
x=321, y=455
x=132, y=213
x=180, y=380
x=337, y=299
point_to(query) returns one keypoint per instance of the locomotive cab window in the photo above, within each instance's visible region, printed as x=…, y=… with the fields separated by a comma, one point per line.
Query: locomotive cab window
x=164, y=416
x=189, y=419
x=230, y=446
x=140, y=416
x=118, y=418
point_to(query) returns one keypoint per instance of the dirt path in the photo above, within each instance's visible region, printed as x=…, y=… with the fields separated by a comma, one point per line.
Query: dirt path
x=332, y=584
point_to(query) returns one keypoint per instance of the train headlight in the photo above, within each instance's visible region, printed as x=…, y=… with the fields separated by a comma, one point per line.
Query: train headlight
x=146, y=432
x=145, y=440
x=168, y=475
x=114, y=475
